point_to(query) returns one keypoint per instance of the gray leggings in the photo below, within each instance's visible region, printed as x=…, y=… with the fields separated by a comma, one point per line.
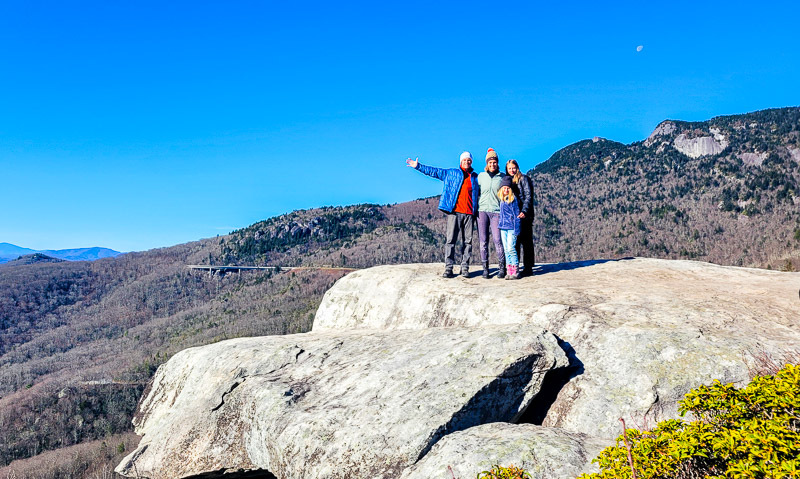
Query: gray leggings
x=485, y=222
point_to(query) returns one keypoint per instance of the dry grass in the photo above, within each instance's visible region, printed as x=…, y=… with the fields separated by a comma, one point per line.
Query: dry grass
x=88, y=460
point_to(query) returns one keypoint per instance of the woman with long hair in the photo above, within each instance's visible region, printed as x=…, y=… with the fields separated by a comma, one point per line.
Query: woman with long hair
x=523, y=188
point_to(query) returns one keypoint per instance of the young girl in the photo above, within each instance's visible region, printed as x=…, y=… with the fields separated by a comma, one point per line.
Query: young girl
x=509, y=225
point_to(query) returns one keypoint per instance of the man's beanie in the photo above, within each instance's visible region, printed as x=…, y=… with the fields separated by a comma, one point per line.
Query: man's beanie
x=464, y=155
x=506, y=181
x=490, y=153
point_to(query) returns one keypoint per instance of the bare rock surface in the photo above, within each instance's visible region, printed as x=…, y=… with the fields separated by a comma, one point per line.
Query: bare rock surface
x=753, y=159
x=355, y=404
x=795, y=154
x=640, y=332
x=544, y=452
x=701, y=146
x=665, y=128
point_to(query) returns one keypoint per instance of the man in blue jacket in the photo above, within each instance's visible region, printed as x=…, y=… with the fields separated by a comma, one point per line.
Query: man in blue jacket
x=460, y=202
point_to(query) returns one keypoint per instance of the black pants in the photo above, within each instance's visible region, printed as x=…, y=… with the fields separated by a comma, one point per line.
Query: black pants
x=459, y=226
x=525, y=242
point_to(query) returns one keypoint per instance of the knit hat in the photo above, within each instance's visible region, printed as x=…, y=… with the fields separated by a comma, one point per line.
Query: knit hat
x=464, y=155
x=506, y=181
x=490, y=153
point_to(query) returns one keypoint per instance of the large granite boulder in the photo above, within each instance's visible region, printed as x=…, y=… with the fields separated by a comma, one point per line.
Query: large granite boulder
x=640, y=332
x=345, y=404
x=544, y=452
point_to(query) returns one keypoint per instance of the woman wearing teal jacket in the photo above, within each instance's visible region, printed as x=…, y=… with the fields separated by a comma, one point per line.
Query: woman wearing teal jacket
x=489, y=213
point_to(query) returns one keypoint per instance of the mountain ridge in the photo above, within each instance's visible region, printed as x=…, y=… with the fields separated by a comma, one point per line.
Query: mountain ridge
x=9, y=252
x=725, y=190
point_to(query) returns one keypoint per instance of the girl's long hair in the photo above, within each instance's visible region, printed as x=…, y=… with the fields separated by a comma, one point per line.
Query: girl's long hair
x=516, y=177
x=509, y=198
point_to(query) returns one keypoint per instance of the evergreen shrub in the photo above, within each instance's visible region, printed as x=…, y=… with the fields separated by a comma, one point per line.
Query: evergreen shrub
x=752, y=432
x=501, y=472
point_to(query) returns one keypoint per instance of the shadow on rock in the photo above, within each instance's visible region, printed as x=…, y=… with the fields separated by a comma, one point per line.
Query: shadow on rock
x=498, y=401
x=554, y=381
x=229, y=474
x=541, y=269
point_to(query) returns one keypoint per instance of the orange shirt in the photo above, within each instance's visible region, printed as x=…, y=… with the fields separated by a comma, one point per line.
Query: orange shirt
x=464, y=201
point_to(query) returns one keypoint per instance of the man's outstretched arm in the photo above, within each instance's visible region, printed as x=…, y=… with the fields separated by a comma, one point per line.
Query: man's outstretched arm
x=432, y=171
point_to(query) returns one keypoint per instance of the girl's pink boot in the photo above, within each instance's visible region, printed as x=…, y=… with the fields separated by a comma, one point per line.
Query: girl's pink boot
x=512, y=272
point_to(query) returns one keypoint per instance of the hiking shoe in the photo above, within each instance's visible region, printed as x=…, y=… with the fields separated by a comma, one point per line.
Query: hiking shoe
x=465, y=272
x=485, y=274
x=502, y=273
x=448, y=274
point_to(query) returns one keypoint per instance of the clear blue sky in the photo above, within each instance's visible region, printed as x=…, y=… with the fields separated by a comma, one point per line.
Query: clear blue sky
x=134, y=125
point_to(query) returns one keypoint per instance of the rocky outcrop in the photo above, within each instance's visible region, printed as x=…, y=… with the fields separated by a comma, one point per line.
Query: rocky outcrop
x=407, y=374
x=333, y=405
x=700, y=146
x=692, y=146
x=795, y=154
x=640, y=332
x=753, y=159
x=665, y=128
x=544, y=452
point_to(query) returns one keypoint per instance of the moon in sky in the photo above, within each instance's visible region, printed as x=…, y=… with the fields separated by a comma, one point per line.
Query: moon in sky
x=639, y=48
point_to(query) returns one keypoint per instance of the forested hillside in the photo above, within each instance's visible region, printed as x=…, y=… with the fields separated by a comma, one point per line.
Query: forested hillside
x=79, y=340
x=724, y=190
x=354, y=236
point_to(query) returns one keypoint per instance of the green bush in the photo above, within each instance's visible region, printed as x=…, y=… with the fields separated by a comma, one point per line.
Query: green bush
x=753, y=432
x=500, y=472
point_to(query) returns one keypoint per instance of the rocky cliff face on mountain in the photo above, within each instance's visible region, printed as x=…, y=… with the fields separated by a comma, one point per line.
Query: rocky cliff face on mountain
x=406, y=374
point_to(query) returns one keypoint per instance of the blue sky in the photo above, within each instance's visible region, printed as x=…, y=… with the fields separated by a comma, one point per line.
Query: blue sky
x=134, y=125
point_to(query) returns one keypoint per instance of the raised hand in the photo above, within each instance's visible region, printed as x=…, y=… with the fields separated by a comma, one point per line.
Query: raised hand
x=412, y=163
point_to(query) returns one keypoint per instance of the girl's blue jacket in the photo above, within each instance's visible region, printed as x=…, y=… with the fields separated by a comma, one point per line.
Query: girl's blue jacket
x=453, y=178
x=509, y=219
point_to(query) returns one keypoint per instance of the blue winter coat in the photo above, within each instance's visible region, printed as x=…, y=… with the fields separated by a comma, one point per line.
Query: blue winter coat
x=453, y=179
x=509, y=216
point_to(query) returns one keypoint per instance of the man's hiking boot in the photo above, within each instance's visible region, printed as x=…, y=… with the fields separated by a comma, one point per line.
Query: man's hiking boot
x=448, y=273
x=501, y=273
x=464, y=272
x=485, y=274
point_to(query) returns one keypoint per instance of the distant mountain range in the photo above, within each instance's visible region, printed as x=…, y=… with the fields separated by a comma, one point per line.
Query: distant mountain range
x=9, y=252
